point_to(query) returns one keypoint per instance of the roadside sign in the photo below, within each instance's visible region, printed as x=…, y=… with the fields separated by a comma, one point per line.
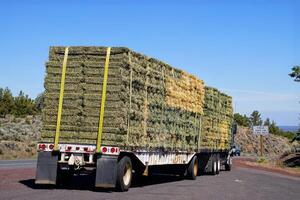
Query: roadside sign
x=260, y=130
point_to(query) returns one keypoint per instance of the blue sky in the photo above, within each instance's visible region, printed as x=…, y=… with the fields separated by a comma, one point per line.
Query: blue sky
x=245, y=48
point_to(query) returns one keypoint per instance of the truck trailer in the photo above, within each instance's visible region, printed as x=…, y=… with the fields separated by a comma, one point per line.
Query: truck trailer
x=119, y=114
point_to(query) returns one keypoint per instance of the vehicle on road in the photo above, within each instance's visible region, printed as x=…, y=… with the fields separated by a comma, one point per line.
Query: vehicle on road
x=236, y=151
x=156, y=119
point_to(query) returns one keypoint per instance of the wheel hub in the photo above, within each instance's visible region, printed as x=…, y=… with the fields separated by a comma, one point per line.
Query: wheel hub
x=195, y=168
x=127, y=174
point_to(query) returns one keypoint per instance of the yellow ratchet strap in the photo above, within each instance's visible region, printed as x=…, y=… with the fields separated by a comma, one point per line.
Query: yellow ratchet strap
x=61, y=98
x=100, y=130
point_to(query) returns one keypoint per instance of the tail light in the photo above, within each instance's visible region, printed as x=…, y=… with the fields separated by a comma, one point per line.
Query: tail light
x=42, y=146
x=51, y=146
x=104, y=149
x=77, y=148
x=112, y=150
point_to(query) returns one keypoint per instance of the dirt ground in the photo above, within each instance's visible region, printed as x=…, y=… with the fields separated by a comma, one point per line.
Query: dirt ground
x=252, y=162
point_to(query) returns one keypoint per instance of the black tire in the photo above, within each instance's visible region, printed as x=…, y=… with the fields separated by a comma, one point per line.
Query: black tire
x=124, y=174
x=218, y=165
x=228, y=165
x=192, y=170
x=214, y=167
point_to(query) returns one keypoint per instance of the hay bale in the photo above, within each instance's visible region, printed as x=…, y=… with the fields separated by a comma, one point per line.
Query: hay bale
x=217, y=119
x=149, y=103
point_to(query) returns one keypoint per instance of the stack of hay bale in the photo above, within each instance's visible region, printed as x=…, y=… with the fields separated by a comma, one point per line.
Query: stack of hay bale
x=149, y=104
x=217, y=119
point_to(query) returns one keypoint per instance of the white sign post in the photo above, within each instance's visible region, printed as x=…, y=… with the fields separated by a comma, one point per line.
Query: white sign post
x=261, y=131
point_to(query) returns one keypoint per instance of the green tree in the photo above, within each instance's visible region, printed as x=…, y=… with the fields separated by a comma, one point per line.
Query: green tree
x=39, y=102
x=255, y=118
x=295, y=73
x=267, y=122
x=6, y=102
x=23, y=105
x=241, y=120
x=274, y=129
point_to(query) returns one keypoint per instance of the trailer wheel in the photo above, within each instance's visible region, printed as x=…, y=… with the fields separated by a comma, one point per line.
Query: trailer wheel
x=192, y=170
x=214, y=166
x=228, y=165
x=124, y=174
x=218, y=166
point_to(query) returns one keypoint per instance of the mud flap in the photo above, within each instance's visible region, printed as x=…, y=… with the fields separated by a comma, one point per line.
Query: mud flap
x=106, y=171
x=46, y=171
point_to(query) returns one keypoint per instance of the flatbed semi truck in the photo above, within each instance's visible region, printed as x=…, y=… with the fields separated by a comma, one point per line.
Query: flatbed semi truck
x=118, y=113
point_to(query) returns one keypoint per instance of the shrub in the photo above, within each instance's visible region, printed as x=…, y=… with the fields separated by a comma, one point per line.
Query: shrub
x=27, y=120
x=28, y=149
x=274, y=129
x=20, y=105
x=241, y=120
x=6, y=102
x=23, y=105
x=261, y=160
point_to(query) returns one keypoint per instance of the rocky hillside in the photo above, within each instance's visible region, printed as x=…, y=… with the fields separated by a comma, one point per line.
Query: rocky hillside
x=249, y=143
x=18, y=136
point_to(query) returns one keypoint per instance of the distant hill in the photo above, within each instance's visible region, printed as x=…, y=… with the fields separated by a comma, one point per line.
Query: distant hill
x=289, y=128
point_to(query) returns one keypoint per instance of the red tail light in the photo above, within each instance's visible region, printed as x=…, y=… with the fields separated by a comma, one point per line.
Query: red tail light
x=77, y=148
x=112, y=150
x=42, y=146
x=69, y=148
x=51, y=146
x=104, y=150
x=85, y=149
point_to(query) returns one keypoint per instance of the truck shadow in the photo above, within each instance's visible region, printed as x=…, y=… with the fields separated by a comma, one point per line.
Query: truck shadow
x=86, y=182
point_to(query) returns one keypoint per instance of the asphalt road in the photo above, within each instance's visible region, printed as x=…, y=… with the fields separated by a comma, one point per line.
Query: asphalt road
x=17, y=182
x=17, y=163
